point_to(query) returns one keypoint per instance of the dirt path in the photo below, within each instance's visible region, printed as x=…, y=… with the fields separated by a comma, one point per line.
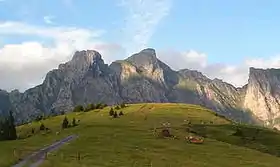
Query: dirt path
x=39, y=156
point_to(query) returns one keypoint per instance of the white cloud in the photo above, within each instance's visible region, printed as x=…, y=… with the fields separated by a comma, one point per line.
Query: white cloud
x=143, y=16
x=180, y=60
x=25, y=64
x=235, y=74
x=48, y=19
x=68, y=33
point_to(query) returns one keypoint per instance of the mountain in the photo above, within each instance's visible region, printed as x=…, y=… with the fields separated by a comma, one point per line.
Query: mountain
x=263, y=95
x=142, y=77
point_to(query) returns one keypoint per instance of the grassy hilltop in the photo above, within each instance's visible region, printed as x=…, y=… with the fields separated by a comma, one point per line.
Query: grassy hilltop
x=131, y=140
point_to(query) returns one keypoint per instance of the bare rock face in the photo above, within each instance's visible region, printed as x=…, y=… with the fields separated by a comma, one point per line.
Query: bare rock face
x=142, y=78
x=5, y=104
x=85, y=79
x=263, y=95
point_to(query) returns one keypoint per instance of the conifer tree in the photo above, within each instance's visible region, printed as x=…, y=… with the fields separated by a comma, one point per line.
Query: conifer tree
x=121, y=113
x=42, y=127
x=74, y=122
x=115, y=114
x=111, y=112
x=12, y=127
x=9, y=128
x=65, y=123
x=1, y=130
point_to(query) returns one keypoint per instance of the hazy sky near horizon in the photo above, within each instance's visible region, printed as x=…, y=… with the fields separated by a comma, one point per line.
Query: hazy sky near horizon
x=220, y=38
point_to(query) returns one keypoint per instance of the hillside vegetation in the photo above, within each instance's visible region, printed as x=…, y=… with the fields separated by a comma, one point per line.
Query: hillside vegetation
x=133, y=140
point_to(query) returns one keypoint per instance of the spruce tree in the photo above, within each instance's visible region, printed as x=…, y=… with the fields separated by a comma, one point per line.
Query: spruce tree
x=8, y=128
x=74, y=122
x=121, y=113
x=1, y=130
x=115, y=114
x=111, y=112
x=78, y=108
x=65, y=123
x=42, y=127
x=5, y=127
x=123, y=105
x=12, y=133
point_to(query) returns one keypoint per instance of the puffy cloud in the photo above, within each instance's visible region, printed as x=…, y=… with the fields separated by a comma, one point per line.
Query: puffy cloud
x=235, y=74
x=180, y=60
x=25, y=64
x=62, y=33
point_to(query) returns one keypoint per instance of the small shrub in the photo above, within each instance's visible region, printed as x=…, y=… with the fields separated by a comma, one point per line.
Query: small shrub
x=123, y=105
x=238, y=132
x=89, y=107
x=39, y=118
x=78, y=108
x=117, y=107
x=121, y=113
x=99, y=106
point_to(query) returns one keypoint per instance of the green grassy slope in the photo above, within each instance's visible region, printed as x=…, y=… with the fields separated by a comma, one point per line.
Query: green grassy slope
x=130, y=140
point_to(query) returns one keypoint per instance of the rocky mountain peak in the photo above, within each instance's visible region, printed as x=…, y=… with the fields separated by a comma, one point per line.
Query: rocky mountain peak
x=86, y=55
x=83, y=60
x=263, y=94
x=144, y=58
x=143, y=78
x=86, y=58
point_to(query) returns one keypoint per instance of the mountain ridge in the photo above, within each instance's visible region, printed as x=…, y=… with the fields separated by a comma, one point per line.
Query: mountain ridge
x=141, y=77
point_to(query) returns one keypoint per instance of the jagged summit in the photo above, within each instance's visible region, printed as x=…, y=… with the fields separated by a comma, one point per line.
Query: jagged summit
x=150, y=51
x=86, y=56
x=144, y=57
x=83, y=60
x=142, y=77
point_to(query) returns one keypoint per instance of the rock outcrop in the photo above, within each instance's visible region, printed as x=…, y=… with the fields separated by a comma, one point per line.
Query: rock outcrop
x=144, y=78
x=263, y=95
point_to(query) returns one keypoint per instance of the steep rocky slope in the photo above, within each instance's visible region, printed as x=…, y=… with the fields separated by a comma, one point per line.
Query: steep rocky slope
x=263, y=95
x=139, y=78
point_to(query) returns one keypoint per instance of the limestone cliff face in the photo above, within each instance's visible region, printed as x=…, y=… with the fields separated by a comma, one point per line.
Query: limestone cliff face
x=142, y=77
x=263, y=95
x=139, y=78
x=84, y=79
x=5, y=104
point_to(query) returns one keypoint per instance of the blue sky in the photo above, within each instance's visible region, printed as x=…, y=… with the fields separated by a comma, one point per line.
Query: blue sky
x=233, y=34
x=226, y=30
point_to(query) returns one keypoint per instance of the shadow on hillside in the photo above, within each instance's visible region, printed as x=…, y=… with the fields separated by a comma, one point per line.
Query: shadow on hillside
x=261, y=139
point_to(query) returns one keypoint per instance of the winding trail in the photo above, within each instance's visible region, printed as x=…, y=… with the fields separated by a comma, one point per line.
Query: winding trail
x=39, y=156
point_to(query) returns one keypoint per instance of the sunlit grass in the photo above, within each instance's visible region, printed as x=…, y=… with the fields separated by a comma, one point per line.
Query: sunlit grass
x=130, y=141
